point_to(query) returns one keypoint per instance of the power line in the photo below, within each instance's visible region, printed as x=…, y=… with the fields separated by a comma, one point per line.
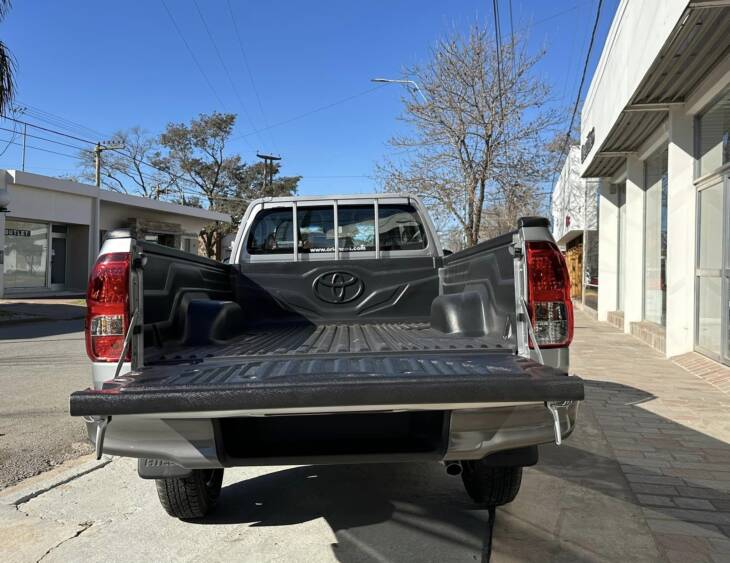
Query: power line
x=250, y=74
x=58, y=121
x=580, y=89
x=225, y=69
x=39, y=148
x=49, y=130
x=498, y=35
x=313, y=111
x=512, y=40
x=46, y=139
x=192, y=56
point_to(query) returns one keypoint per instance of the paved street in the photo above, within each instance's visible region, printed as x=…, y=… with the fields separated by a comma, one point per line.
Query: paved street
x=644, y=478
x=40, y=364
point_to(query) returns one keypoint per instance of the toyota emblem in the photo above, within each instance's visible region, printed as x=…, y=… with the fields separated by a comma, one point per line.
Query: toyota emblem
x=338, y=287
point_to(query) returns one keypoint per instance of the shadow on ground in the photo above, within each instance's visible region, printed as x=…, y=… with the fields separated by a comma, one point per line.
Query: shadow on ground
x=576, y=505
x=40, y=328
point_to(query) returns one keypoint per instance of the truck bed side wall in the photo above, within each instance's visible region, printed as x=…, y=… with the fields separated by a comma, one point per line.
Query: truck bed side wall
x=478, y=293
x=172, y=280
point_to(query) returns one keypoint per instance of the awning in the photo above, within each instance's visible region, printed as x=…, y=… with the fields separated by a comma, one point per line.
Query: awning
x=698, y=42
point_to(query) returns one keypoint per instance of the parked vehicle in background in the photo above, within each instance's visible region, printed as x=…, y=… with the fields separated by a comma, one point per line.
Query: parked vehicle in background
x=338, y=333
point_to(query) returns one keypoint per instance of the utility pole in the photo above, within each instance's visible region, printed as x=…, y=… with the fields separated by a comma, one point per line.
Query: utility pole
x=98, y=149
x=268, y=170
x=25, y=135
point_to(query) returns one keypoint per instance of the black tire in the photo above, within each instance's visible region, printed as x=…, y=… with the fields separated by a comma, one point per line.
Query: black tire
x=491, y=486
x=190, y=497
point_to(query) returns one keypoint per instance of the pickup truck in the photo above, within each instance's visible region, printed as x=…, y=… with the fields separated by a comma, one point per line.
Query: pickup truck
x=339, y=332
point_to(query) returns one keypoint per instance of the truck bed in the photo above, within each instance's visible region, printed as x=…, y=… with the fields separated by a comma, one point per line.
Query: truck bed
x=331, y=367
x=297, y=339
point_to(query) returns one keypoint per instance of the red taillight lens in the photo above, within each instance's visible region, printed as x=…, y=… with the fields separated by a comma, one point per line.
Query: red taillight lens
x=548, y=295
x=107, y=301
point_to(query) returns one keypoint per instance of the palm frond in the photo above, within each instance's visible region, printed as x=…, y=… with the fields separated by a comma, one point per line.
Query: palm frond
x=7, y=82
x=5, y=6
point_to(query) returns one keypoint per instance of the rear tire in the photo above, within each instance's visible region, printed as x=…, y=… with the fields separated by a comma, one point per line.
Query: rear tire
x=491, y=486
x=190, y=497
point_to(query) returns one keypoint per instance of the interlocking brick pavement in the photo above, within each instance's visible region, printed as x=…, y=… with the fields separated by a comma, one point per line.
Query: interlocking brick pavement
x=669, y=431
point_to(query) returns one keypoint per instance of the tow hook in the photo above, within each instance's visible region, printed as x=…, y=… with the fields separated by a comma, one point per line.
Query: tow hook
x=101, y=423
x=553, y=407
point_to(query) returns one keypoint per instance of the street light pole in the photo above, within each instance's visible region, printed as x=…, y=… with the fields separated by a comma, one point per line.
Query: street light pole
x=412, y=83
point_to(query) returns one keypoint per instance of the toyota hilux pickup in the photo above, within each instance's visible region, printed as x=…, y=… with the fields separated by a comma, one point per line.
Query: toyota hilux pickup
x=338, y=332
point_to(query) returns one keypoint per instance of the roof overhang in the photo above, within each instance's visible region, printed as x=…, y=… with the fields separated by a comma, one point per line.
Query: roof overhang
x=699, y=41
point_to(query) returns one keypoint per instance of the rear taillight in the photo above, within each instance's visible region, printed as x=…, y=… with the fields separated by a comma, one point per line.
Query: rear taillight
x=107, y=301
x=548, y=295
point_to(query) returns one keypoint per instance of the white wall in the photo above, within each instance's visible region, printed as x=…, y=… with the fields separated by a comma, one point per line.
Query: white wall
x=44, y=205
x=681, y=229
x=607, y=249
x=638, y=31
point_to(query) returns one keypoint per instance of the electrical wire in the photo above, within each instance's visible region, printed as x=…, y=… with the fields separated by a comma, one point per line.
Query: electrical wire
x=46, y=139
x=58, y=121
x=227, y=72
x=29, y=124
x=315, y=110
x=192, y=55
x=580, y=89
x=250, y=74
x=498, y=37
x=75, y=156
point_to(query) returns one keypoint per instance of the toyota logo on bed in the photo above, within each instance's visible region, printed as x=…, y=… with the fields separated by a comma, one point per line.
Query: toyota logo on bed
x=338, y=287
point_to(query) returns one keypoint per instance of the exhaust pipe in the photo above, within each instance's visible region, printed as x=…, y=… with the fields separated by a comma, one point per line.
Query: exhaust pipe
x=453, y=468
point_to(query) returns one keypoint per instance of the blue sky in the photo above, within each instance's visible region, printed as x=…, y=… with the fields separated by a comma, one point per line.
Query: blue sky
x=113, y=65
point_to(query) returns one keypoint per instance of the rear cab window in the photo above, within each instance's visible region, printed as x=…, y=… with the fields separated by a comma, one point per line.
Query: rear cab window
x=350, y=229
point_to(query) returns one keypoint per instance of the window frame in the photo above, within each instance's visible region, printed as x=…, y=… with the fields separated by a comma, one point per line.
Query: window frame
x=256, y=208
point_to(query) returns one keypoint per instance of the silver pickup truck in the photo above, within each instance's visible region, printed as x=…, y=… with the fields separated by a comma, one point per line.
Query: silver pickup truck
x=339, y=332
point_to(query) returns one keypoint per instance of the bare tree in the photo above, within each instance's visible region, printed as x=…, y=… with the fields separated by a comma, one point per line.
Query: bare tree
x=478, y=132
x=127, y=169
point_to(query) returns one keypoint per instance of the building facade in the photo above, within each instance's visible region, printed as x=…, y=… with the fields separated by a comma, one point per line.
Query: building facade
x=574, y=213
x=51, y=229
x=655, y=132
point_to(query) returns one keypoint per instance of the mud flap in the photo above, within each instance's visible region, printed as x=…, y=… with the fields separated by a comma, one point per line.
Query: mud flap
x=161, y=469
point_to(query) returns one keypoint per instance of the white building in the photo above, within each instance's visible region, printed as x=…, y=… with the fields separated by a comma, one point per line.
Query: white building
x=574, y=212
x=655, y=129
x=51, y=230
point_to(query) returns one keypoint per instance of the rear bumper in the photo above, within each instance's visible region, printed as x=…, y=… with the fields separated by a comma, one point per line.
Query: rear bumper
x=197, y=442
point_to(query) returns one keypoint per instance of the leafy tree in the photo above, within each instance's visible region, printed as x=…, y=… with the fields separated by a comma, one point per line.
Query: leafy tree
x=7, y=66
x=479, y=130
x=196, y=162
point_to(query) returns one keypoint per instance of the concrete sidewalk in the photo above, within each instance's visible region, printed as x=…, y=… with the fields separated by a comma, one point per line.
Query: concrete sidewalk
x=645, y=477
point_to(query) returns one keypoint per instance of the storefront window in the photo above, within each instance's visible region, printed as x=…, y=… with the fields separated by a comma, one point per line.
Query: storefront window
x=590, y=275
x=26, y=254
x=715, y=136
x=709, y=286
x=655, y=238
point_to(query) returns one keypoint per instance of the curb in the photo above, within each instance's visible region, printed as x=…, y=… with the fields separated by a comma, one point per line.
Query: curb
x=44, y=482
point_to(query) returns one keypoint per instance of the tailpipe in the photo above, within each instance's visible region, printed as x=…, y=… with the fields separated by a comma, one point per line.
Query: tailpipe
x=453, y=468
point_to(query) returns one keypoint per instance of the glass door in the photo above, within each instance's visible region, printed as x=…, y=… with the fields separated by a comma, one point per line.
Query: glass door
x=712, y=304
x=58, y=256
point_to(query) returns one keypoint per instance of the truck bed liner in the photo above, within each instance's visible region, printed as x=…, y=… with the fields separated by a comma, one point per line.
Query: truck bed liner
x=289, y=339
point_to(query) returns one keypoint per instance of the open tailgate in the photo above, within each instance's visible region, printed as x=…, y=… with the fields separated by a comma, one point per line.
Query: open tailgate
x=451, y=379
